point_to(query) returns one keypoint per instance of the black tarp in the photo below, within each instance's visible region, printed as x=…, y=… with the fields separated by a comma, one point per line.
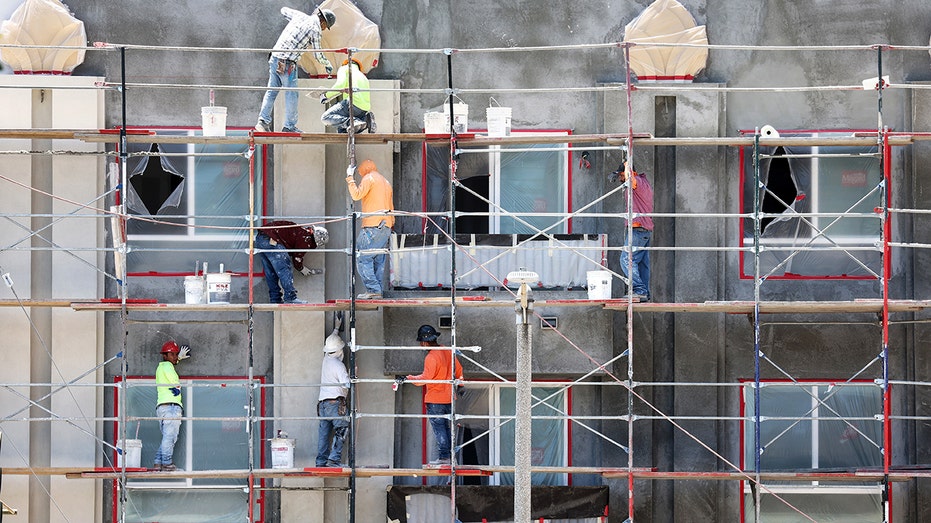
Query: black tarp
x=496, y=503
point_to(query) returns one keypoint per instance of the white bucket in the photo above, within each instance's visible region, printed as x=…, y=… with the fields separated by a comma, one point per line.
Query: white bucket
x=499, y=121
x=214, y=120
x=282, y=453
x=194, y=289
x=435, y=123
x=599, y=285
x=218, y=287
x=132, y=451
x=460, y=117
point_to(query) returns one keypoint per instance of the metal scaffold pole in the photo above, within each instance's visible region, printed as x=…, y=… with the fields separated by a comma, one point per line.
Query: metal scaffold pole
x=453, y=145
x=757, y=450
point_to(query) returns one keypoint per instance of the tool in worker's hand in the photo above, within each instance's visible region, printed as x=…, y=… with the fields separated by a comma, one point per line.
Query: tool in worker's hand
x=398, y=380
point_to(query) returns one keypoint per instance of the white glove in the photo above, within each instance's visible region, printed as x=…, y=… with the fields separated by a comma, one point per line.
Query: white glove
x=184, y=352
x=323, y=99
x=350, y=171
x=306, y=271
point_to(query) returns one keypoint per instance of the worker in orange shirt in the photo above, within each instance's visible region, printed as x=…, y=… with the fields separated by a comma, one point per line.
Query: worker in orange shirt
x=438, y=365
x=377, y=197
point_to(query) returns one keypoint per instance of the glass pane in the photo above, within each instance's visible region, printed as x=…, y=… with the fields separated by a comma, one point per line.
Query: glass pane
x=843, y=443
x=187, y=506
x=533, y=182
x=821, y=507
x=787, y=443
x=843, y=182
x=547, y=442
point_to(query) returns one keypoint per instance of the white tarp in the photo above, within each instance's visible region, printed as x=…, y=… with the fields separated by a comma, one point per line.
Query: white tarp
x=43, y=22
x=352, y=29
x=666, y=22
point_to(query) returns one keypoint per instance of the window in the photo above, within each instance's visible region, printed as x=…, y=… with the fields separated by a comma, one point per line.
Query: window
x=210, y=444
x=533, y=178
x=815, y=426
x=810, y=181
x=488, y=430
x=201, y=192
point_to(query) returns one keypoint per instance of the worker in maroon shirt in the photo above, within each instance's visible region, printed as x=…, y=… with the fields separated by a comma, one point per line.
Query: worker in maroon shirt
x=273, y=242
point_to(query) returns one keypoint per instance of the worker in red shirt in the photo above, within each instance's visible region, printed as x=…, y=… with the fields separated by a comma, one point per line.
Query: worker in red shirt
x=439, y=364
x=281, y=245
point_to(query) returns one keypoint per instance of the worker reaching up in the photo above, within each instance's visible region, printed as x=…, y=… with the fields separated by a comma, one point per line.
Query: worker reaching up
x=169, y=407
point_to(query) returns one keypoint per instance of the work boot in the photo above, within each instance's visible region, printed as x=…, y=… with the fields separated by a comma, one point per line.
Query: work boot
x=168, y=468
x=291, y=130
x=263, y=127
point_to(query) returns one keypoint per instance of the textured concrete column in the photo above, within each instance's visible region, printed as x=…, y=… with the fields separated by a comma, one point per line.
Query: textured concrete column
x=522, y=407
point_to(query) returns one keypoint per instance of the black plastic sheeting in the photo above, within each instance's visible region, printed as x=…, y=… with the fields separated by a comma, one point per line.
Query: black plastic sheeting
x=496, y=503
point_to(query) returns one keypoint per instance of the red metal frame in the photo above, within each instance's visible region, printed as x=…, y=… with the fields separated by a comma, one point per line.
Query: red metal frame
x=742, y=448
x=264, y=197
x=742, y=163
x=262, y=400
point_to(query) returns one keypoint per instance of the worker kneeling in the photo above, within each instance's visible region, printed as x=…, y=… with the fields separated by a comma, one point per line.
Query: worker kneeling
x=338, y=115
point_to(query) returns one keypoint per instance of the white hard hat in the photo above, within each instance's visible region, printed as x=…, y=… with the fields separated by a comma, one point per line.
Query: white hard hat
x=333, y=343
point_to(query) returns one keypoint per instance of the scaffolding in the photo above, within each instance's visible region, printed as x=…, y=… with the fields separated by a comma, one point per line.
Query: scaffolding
x=761, y=483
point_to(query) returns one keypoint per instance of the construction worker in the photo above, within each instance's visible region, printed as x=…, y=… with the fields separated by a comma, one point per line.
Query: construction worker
x=168, y=406
x=437, y=365
x=334, y=387
x=302, y=29
x=377, y=197
x=274, y=240
x=338, y=115
x=636, y=263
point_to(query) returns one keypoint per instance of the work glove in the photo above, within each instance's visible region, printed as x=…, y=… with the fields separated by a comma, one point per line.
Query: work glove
x=329, y=69
x=323, y=99
x=306, y=271
x=175, y=391
x=184, y=353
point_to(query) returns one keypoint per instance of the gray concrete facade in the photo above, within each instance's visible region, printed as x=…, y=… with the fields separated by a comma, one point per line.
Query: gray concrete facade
x=668, y=347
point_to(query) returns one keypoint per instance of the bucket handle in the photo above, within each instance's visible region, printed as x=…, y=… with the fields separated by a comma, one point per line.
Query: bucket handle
x=491, y=100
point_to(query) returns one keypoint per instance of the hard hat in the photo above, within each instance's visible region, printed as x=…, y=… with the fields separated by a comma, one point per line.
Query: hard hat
x=321, y=235
x=427, y=333
x=333, y=344
x=328, y=17
x=170, y=347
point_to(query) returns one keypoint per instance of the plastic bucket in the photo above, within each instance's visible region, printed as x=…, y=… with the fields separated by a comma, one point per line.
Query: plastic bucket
x=282, y=453
x=435, y=123
x=460, y=116
x=599, y=285
x=499, y=121
x=131, y=451
x=213, y=120
x=194, y=289
x=218, y=287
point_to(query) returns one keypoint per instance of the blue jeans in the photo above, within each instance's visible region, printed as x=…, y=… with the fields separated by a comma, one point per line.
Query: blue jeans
x=640, y=274
x=338, y=115
x=440, y=428
x=170, y=425
x=372, y=266
x=275, y=80
x=277, y=267
x=335, y=428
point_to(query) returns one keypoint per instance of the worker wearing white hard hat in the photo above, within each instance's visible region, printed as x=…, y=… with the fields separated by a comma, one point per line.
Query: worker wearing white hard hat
x=332, y=407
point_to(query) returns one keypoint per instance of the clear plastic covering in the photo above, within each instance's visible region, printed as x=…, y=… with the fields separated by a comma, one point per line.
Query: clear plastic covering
x=43, y=22
x=189, y=208
x=825, y=180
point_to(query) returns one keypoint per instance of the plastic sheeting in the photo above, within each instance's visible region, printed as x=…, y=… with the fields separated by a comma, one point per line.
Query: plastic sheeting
x=352, y=29
x=408, y=504
x=43, y=22
x=817, y=185
x=419, y=261
x=666, y=21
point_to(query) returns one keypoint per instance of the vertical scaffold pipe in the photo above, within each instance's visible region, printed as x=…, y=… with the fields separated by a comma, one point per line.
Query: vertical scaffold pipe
x=351, y=145
x=453, y=144
x=121, y=279
x=250, y=331
x=630, y=291
x=886, y=162
x=757, y=450
x=353, y=396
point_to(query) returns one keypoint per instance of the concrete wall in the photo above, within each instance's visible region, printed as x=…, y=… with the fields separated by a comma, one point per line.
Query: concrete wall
x=668, y=347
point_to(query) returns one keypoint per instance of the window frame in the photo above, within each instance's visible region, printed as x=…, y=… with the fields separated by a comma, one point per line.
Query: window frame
x=494, y=437
x=263, y=153
x=746, y=236
x=814, y=487
x=188, y=384
x=494, y=164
